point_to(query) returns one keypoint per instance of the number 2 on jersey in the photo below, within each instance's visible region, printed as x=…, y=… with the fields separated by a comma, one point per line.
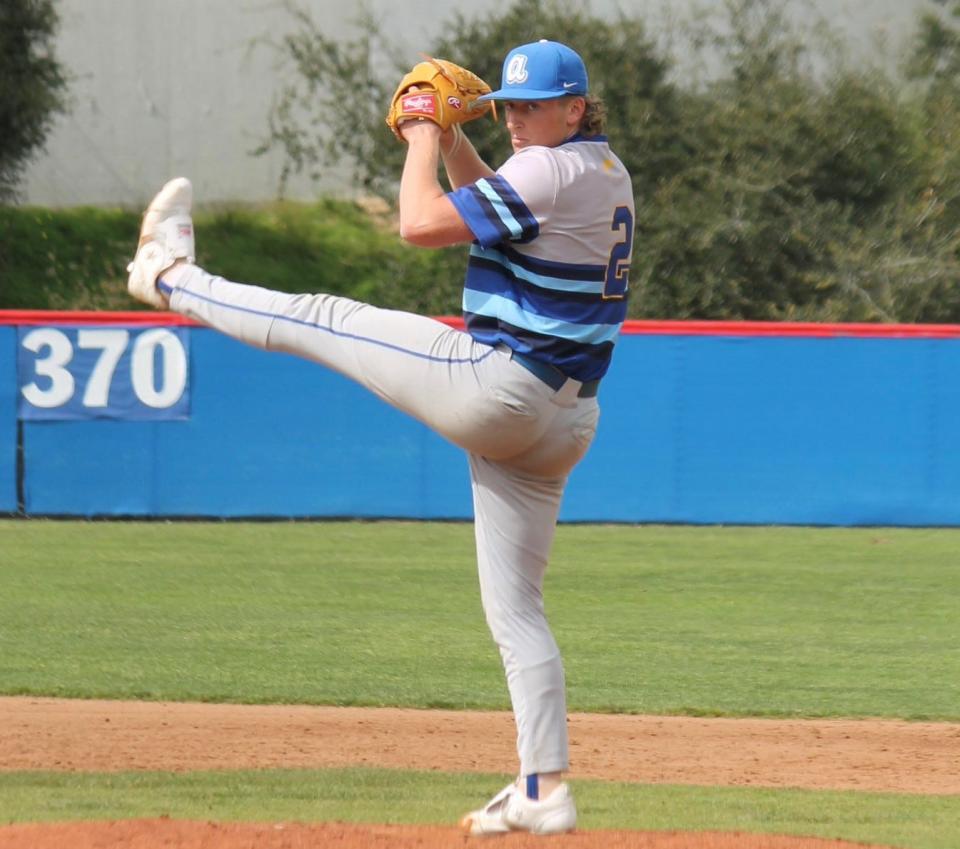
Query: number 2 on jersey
x=618, y=267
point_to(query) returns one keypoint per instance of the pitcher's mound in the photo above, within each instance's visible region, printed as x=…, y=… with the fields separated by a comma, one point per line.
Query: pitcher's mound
x=183, y=834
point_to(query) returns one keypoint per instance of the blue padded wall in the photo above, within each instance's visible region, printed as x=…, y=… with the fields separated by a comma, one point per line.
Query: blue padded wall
x=837, y=431
x=8, y=419
x=268, y=435
x=694, y=428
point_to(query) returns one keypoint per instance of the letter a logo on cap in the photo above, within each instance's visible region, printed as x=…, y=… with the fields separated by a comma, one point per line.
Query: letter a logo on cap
x=517, y=70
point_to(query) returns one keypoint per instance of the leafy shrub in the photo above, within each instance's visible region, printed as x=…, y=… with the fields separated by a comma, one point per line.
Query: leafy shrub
x=32, y=85
x=76, y=258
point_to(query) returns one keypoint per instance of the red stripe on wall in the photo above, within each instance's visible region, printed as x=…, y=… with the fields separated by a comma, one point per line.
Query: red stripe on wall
x=640, y=328
x=791, y=328
x=45, y=317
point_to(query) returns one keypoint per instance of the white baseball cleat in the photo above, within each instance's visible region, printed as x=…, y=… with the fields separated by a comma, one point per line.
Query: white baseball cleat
x=511, y=810
x=489, y=819
x=166, y=235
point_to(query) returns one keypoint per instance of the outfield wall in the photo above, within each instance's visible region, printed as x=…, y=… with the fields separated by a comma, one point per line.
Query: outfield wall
x=8, y=420
x=747, y=423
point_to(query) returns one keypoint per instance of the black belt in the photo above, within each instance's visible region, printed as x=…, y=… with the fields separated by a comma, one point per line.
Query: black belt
x=552, y=376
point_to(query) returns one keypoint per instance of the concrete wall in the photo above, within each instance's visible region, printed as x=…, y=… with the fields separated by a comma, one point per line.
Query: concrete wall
x=184, y=87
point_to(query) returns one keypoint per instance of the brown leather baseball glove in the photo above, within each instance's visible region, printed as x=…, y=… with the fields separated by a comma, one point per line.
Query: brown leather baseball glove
x=442, y=92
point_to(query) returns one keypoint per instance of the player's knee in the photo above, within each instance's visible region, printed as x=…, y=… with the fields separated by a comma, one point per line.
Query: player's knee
x=521, y=634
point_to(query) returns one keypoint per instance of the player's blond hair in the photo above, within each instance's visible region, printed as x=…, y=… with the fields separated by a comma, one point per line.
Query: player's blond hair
x=594, y=118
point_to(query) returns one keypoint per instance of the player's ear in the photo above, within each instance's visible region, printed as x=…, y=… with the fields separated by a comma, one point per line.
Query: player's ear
x=576, y=109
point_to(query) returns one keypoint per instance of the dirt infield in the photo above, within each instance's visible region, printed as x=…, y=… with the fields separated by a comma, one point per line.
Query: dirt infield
x=69, y=735
x=180, y=834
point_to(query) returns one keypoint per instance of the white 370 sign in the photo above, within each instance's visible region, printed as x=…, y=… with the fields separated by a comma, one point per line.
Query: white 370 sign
x=133, y=373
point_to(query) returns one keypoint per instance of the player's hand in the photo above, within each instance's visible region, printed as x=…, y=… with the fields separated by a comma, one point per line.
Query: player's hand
x=412, y=130
x=418, y=126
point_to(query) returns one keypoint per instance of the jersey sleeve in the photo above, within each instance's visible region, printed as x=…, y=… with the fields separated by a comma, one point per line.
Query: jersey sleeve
x=514, y=203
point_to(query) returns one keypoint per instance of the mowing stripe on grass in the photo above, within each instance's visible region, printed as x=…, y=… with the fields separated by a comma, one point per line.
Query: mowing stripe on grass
x=702, y=621
x=393, y=796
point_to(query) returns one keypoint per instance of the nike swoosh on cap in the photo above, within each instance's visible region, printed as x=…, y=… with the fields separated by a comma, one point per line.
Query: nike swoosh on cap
x=569, y=85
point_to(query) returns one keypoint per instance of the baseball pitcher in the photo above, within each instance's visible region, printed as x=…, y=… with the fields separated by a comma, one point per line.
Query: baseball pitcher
x=550, y=234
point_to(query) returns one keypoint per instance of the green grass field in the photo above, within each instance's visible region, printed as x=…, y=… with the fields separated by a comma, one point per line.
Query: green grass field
x=371, y=795
x=704, y=621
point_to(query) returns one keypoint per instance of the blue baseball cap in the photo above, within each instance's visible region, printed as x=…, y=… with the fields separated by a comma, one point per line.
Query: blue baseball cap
x=541, y=70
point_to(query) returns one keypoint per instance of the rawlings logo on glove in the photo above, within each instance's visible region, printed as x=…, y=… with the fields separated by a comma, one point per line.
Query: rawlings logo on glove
x=419, y=104
x=443, y=93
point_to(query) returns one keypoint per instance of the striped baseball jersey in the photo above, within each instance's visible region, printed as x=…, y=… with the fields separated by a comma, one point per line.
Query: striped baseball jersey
x=548, y=270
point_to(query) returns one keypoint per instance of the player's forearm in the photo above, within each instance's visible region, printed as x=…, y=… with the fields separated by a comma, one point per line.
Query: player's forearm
x=419, y=187
x=461, y=160
x=427, y=216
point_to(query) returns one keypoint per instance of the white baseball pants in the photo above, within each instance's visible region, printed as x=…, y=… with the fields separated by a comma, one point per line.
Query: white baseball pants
x=522, y=438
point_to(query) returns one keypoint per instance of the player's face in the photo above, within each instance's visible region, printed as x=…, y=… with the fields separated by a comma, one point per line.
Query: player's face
x=542, y=122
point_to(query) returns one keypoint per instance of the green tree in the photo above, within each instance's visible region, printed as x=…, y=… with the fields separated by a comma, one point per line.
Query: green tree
x=625, y=66
x=936, y=48
x=329, y=113
x=32, y=85
x=796, y=198
x=782, y=184
x=926, y=264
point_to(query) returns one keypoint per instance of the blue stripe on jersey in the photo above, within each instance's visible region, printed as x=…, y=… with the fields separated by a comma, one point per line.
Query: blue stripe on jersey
x=550, y=268
x=580, y=138
x=485, y=230
x=577, y=307
x=581, y=362
x=529, y=226
x=498, y=306
x=494, y=212
x=552, y=309
x=559, y=276
x=500, y=208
